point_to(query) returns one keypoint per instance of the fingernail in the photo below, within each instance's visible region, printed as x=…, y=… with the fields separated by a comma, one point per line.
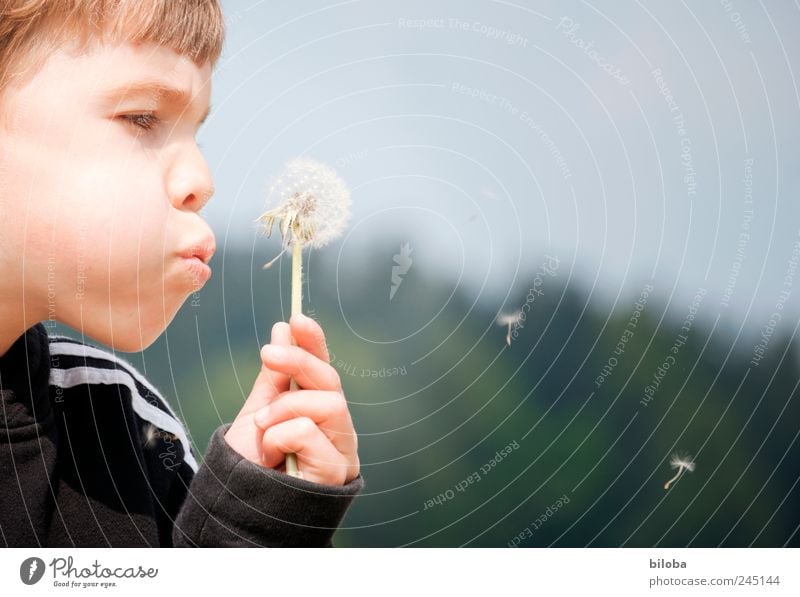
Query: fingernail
x=274, y=353
x=262, y=416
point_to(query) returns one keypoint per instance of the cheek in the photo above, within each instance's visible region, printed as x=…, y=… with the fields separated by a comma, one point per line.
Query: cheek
x=123, y=211
x=110, y=233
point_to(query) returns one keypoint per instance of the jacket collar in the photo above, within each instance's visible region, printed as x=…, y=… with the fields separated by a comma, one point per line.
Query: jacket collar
x=24, y=380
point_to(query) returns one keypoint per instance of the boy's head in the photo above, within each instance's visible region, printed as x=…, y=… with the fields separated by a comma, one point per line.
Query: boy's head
x=101, y=179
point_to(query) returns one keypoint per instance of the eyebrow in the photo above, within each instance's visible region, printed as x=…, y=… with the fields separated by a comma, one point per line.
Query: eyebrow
x=154, y=89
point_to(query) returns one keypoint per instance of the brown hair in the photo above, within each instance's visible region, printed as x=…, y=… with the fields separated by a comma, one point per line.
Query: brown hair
x=31, y=29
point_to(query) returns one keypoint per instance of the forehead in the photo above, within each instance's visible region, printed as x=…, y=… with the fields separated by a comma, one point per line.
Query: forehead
x=146, y=71
x=116, y=66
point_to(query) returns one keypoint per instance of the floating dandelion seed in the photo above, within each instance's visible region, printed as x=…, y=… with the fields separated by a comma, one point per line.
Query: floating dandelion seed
x=682, y=463
x=311, y=206
x=150, y=432
x=509, y=319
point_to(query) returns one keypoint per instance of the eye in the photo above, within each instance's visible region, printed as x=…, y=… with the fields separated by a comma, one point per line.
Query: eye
x=145, y=120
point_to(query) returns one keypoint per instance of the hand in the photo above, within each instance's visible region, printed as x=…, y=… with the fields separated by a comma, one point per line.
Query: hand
x=313, y=421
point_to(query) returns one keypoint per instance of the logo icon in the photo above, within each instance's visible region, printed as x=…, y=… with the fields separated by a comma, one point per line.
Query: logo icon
x=31, y=571
x=403, y=261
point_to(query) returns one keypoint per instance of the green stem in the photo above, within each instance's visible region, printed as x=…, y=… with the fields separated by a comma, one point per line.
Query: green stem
x=297, y=308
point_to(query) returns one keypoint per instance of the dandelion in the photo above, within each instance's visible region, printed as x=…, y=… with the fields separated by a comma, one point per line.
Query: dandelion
x=509, y=319
x=311, y=206
x=682, y=463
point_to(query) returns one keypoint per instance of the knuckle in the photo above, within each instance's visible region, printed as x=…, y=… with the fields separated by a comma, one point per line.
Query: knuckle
x=331, y=406
x=276, y=440
x=338, y=404
x=297, y=357
x=306, y=426
x=268, y=441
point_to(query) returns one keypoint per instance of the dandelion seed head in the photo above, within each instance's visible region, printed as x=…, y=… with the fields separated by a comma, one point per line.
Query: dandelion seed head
x=310, y=203
x=686, y=461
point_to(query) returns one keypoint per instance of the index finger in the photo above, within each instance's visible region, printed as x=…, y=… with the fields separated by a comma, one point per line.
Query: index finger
x=308, y=335
x=270, y=382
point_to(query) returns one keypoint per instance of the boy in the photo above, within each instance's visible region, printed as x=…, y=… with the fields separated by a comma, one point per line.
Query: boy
x=101, y=182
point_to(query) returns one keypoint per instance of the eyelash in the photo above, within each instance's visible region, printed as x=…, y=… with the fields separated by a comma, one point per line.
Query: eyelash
x=145, y=121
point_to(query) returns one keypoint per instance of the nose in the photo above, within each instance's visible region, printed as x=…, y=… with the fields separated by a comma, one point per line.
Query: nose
x=190, y=184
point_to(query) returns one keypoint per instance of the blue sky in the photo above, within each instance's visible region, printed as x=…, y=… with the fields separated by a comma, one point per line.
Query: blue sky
x=635, y=141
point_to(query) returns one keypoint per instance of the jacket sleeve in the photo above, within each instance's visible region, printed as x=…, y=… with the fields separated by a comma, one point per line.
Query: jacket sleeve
x=232, y=502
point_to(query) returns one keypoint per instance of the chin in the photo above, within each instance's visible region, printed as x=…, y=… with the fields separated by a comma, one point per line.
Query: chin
x=139, y=335
x=135, y=341
x=133, y=331
x=124, y=338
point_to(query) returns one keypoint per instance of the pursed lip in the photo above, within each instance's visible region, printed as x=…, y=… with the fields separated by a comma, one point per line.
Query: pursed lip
x=196, y=258
x=203, y=250
x=199, y=271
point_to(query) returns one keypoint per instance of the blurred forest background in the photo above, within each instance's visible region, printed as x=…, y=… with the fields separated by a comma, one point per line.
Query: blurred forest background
x=460, y=395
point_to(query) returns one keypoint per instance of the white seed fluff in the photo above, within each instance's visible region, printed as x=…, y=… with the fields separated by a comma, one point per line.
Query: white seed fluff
x=682, y=462
x=311, y=202
x=509, y=318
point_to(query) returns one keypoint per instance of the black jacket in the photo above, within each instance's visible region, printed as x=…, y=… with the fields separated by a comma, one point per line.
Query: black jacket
x=92, y=456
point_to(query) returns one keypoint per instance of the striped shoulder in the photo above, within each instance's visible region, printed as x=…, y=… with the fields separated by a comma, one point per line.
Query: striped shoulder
x=73, y=363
